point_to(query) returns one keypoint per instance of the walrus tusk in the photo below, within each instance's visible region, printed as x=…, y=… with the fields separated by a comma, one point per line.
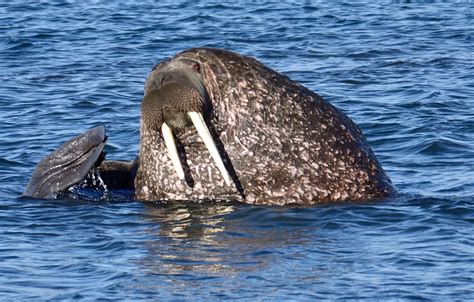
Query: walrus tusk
x=203, y=131
x=172, y=151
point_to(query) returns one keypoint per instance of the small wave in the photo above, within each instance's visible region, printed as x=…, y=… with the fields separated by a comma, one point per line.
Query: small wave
x=439, y=146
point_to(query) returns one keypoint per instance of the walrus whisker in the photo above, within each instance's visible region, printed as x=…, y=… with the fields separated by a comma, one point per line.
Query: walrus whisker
x=203, y=131
x=172, y=150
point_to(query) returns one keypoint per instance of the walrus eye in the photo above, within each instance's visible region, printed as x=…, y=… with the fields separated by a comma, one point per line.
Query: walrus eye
x=197, y=68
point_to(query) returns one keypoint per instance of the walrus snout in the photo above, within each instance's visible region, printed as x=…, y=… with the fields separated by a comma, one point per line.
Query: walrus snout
x=177, y=105
x=170, y=105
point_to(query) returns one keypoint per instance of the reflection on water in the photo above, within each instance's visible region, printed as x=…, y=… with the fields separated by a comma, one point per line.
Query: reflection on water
x=189, y=220
x=211, y=238
x=186, y=239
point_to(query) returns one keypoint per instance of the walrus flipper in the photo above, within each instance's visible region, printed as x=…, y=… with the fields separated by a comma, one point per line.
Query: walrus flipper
x=68, y=165
x=118, y=174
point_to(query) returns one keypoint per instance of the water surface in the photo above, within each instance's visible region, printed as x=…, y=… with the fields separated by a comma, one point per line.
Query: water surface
x=403, y=71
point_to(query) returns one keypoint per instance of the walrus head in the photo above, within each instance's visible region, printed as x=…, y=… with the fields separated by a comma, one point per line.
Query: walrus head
x=175, y=100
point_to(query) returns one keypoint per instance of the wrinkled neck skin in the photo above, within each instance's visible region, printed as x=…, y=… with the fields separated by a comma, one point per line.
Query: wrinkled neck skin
x=280, y=142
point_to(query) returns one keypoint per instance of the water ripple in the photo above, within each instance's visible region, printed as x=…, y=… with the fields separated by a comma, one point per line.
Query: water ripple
x=402, y=70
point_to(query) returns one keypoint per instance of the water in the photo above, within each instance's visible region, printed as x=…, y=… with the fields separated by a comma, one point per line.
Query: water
x=403, y=71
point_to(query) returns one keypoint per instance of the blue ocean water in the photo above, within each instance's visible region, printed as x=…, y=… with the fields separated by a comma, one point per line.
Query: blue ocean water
x=404, y=71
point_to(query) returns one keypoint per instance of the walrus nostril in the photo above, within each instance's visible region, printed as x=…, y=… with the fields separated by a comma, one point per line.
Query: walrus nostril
x=165, y=79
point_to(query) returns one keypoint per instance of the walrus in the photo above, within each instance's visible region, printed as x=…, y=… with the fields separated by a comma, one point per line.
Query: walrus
x=217, y=125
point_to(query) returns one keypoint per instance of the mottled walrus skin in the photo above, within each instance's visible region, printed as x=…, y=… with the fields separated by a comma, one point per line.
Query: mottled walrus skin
x=280, y=142
x=267, y=140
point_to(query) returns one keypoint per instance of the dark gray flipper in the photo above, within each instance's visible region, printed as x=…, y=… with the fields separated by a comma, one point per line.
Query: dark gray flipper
x=68, y=165
x=118, y=174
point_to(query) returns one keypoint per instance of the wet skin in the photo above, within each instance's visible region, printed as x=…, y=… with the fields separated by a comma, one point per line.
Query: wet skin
x=219, y=125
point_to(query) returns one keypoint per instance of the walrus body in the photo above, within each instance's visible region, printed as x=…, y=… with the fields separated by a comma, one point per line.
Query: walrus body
x=281, y=142
x=278, y=142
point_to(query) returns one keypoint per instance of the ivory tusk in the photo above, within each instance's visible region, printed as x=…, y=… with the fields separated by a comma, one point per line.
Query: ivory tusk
x=203, y=131
x=172, y=151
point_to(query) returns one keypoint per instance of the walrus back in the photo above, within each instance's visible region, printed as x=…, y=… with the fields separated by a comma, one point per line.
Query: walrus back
x=286, y=142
